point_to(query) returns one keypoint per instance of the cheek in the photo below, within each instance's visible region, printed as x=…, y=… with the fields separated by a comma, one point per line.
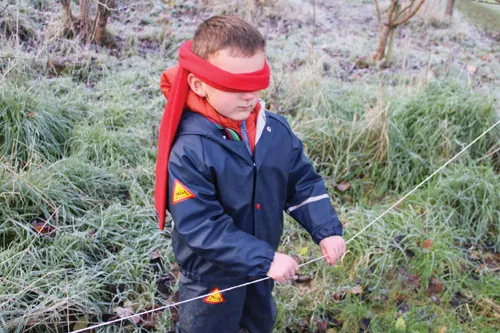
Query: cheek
x=230, y=100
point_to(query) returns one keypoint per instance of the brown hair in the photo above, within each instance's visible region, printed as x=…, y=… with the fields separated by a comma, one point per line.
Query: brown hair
x=227, y=32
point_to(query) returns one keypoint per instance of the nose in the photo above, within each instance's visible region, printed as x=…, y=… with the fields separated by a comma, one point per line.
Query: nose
x=248, y=96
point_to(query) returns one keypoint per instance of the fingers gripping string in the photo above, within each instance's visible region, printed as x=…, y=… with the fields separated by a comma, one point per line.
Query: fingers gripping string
x=304, y=264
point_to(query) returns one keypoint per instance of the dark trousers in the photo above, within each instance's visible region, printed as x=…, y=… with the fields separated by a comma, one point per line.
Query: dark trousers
x=250, y=307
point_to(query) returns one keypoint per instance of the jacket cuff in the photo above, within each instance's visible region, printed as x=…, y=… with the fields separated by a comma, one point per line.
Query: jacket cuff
x=334, y=228
x=266, y=264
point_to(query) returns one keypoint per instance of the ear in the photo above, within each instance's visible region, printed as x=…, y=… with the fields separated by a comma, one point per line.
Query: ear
x=196, y=85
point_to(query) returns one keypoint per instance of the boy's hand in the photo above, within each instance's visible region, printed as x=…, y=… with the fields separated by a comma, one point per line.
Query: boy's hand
x=333, y=248
x=282, y=268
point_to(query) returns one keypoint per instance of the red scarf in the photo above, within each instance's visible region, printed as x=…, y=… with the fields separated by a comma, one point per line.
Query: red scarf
x=179, y=95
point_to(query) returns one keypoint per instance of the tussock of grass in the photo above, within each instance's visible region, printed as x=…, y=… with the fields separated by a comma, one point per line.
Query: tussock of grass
x=32, y=124
x=17, y=23
x=471, y=195
x=394, y=147
x=432, y=127
x=69, y=186
x=85, y=268
x=108, y=147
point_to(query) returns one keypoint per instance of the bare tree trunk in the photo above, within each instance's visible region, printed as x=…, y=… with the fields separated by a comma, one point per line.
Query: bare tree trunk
x=67, y=9
x=85, y=20
x=84, y=27
x=448, y=11
x=391, y=22
x=386, y=31
x=84, y=10
x=101, y=20
x=388, y=54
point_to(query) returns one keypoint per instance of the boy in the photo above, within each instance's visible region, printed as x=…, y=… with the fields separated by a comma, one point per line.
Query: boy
x=226, y=171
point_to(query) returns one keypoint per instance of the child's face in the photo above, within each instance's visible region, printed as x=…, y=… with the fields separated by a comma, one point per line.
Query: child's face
x=234, y=105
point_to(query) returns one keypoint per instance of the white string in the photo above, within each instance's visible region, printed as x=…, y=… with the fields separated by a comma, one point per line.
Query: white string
x=304, y=264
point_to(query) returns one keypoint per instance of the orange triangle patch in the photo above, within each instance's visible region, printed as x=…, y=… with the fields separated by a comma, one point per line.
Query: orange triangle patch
x=214, y=298
x=181, y=193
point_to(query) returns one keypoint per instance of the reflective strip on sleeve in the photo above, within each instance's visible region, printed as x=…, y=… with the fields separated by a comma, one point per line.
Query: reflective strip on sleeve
x=308, y=200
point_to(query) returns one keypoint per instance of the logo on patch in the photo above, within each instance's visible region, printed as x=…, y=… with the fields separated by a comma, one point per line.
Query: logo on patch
x=214, y=298
x=181, y=193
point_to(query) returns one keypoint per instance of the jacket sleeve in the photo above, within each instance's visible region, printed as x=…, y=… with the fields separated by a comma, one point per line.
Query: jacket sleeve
x=201, y=222
x=307, y=199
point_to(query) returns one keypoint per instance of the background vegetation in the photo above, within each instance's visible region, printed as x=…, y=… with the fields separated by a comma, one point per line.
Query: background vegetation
x=78, y=128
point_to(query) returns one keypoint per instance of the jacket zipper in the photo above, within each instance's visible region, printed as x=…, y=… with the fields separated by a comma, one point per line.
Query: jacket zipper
x=247, y=143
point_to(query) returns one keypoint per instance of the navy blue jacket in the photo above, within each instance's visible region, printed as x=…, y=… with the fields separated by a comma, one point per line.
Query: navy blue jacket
x=230, y=223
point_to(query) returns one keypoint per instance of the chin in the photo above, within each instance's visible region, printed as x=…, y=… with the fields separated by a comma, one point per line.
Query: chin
x=240, y=117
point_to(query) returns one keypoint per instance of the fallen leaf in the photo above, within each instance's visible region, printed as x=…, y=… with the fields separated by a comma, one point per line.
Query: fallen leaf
x=321, y=325
x=155, y=254
x=356, y=290
x=338, y=296
x=148, y=323
x=31, y=114
x=342, y=187
x=174, y=269
x=126, y=312
x=81, y=323
x=443, y=329
x=491, y=261
x=427, y=244
x=148, y=320
x=174, y=314
x=471, y=69
x=435, y=286
x=400, y=325
x=303, y=251
x=413, y=282
x=42, y=227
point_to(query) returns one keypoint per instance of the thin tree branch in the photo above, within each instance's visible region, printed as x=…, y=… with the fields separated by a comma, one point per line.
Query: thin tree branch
x=404, y=9
x=487, y=2
x=389, y=19
x=410, y=15
x=4, y=8
x=105, y=5
x=379, y=20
